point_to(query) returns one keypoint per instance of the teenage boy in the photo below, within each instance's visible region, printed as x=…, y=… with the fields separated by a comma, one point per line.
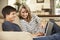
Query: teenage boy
x=9, y=14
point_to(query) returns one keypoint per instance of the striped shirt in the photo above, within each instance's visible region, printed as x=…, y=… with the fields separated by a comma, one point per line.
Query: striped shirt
x=31, y=26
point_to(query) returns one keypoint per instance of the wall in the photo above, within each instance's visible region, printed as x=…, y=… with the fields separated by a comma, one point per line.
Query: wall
x=3, y=3
x=37, y=6
x=34, y=6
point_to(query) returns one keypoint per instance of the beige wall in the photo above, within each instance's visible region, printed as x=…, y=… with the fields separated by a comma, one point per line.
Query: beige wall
x=34, y=6
x=37, y=6
x=3, y=3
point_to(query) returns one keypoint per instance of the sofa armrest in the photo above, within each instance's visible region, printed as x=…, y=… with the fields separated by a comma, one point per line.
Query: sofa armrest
x=15, y=36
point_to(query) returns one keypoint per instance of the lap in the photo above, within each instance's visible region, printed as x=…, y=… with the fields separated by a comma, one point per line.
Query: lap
x=51, y=37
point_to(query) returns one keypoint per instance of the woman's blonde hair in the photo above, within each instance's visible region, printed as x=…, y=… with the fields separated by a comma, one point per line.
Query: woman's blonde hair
x=27, y=10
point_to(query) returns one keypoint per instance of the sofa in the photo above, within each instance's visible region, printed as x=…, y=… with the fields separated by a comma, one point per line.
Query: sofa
x=15, y=36
x=4, y=35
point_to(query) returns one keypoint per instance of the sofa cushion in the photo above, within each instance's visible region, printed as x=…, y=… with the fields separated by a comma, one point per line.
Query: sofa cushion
x=1, y=21
x=15, y=36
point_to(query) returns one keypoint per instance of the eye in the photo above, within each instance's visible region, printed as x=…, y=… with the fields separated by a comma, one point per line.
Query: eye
x=23, y=12
x=13, y=13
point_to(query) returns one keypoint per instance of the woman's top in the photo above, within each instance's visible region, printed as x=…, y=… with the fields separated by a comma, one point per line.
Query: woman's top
x=32, y=26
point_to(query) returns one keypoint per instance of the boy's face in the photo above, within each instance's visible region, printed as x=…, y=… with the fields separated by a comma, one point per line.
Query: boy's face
x=11, y=16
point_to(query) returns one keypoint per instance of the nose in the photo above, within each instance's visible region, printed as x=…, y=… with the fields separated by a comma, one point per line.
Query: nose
x=25, y=13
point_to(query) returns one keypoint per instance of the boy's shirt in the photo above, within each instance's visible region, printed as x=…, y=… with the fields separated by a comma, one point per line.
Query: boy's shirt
x=8, y=26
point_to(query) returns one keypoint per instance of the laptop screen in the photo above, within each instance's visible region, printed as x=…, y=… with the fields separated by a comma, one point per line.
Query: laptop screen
x=49, y=28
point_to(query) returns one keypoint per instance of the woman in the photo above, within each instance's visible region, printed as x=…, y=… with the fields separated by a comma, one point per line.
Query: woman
x=30, y=23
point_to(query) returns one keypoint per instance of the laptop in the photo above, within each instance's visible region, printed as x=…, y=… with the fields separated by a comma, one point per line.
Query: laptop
x=49, y=28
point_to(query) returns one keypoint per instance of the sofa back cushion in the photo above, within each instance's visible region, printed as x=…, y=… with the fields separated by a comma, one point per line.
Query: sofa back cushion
x=1, y=21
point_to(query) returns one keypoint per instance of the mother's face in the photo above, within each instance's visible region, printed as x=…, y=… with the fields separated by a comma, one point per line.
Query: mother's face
x=24, y=13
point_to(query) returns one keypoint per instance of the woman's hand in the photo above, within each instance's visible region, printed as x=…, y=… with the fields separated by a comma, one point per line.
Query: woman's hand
x=38, y=34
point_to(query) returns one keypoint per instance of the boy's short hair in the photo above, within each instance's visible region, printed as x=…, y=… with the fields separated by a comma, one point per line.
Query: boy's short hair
x=6, y=10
